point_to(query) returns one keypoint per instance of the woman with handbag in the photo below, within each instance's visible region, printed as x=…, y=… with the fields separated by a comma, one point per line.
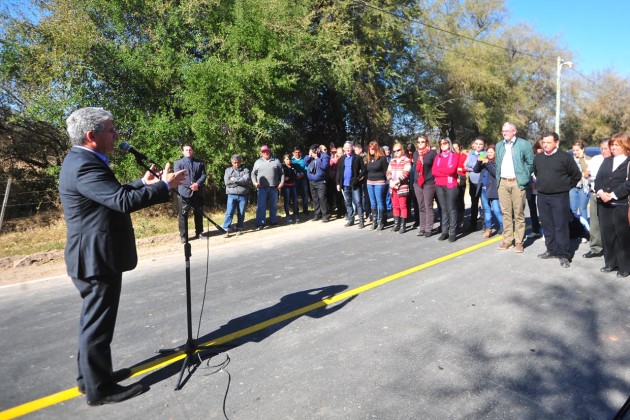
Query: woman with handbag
x=612, y=189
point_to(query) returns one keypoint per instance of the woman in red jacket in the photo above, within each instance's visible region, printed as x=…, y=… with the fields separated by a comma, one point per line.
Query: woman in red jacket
x=446, y=187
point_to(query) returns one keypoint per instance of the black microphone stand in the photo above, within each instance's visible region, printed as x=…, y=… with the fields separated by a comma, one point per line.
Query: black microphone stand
x=191, y=347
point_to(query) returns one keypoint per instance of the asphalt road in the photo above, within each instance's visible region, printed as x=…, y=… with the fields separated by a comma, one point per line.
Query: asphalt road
x=420, y=333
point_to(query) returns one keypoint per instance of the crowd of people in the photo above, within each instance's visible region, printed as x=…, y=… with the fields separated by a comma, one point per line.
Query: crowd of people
x=569, y=195
x=100, y=243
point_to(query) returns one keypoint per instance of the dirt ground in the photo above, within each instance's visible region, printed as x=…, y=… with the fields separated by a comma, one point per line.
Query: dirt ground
x=43, y=265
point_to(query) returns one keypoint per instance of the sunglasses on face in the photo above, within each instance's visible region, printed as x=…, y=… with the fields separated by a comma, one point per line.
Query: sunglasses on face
x=397, y=150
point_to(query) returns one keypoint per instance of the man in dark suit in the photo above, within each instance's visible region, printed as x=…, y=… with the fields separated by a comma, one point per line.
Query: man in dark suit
x=190, y=192
x=100, y=243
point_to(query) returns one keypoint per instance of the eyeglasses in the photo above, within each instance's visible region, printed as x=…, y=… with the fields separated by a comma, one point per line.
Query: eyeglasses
x=397, y=150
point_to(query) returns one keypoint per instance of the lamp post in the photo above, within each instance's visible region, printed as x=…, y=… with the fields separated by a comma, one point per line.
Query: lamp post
x=560, y=63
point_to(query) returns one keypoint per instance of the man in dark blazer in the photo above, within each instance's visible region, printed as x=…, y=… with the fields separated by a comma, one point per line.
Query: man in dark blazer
x=190, y=192
x=100, y=243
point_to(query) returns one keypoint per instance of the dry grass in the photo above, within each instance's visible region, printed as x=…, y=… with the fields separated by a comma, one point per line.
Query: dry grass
x=47, y=231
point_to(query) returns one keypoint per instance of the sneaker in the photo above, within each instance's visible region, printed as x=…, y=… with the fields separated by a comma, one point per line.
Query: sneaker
x=227, y=233
x=260, y=227
x=289, y=220
x=519, y=248
x=504, y=245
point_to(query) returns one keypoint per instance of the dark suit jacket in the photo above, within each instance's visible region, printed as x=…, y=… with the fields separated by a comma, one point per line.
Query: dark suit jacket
x=613, y=181
x=358, y=170
x=198, y=176
x=100, y=239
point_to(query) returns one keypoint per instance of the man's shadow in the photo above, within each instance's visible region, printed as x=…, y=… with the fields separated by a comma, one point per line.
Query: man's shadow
x=256, y=320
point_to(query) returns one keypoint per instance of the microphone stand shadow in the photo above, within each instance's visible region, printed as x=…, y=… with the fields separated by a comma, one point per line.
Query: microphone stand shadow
x=260, y=324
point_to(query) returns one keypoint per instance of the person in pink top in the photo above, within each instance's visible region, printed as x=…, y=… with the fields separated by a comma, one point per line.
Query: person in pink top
x=446, y=187
x=398, y=178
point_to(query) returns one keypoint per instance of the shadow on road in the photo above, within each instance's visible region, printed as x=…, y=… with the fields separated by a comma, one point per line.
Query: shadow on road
x=287, y=304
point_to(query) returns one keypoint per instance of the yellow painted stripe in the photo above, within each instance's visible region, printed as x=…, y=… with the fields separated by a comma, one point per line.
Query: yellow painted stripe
x=161, y=362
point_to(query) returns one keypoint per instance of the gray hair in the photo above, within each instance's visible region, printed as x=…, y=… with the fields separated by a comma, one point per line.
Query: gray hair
x=86, y=119
x=511, y=125
x=236, y=157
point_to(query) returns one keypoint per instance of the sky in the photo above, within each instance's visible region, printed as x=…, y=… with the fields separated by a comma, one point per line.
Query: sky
x=595, y=31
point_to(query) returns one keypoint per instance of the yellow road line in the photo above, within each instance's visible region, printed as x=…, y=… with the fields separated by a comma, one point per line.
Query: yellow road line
x=50, y=400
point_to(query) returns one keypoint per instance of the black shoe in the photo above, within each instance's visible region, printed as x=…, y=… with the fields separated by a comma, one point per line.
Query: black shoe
x=547, y=255
x=622, y=274
x=452, y=238
x=443, y=237
x=564, y=263
x=325, y=219
x=591, y=254
x=119, y=394
x=427, y=234
x=349, y=223
x=260, y=227
x=606, y=269
x=316, y=218
x=117, y=376
x=361, y=224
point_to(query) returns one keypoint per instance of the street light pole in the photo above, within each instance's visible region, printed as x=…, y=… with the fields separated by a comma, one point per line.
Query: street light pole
x=559, y=65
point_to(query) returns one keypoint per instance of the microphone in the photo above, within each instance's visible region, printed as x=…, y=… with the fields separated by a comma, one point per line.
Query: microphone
x=139, y=155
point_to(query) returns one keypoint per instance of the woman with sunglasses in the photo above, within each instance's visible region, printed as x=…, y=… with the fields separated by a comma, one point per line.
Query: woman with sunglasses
x=446, y=187
x=398, y=177
x=424, y=185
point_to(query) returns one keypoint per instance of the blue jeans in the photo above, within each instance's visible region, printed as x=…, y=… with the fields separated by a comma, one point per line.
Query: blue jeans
x=491, y=206
x=289, y=194
x=353, y=196
x=579, y=201
x=235, y=202
x=267, y=194
x=377, y=198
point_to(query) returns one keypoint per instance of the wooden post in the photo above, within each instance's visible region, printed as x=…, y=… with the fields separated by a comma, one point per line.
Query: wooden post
x=4, y=202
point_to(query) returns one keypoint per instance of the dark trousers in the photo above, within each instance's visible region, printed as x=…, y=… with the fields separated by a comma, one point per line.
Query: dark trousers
x=413, y=204
x=424, y=195
x=185, y=204
x=320, y=204
x=448, y=198
x=613, y=223
x=461, y=205
x=474, y=203
x=302, y=186
x=555, y=211
x=533, y=213
x=96, y=329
